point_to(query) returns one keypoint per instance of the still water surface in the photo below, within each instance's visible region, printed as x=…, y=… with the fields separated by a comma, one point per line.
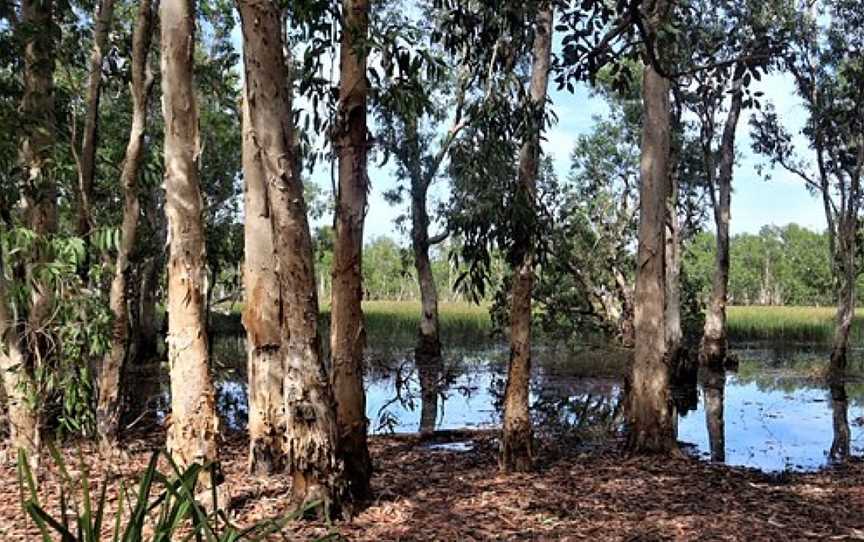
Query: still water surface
x=773, y=413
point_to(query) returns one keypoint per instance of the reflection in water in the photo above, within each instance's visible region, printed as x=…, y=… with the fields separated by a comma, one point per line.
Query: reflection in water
x=840, y=446
x=714, y=389
x=772, y=414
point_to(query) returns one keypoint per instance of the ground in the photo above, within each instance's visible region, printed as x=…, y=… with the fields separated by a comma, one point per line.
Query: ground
x=593, y=494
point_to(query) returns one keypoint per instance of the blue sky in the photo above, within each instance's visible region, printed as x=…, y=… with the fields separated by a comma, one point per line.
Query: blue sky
x=755, y=202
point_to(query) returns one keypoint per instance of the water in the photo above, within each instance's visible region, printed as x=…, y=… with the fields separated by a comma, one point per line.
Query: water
x=773, y=414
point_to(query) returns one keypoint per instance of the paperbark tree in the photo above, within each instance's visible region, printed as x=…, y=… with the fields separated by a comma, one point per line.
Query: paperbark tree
x=24, y=347
x=831, y=86
x=86, y=161
x=714, y=340
x=309, y=445
x=193, y=436
x=261, y=315
x=651, y=416
x=517, y=449
x=714, y=389
x=347, y=332
x=109, y=409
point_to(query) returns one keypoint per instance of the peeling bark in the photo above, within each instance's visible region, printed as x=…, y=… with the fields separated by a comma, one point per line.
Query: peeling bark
x=714, y=340
x=651, y=415
x=310, y=434
x=347, y=331
x=517, y=448
x=109, y=409
x=840, y=445
x=261, y=316
x=193, y=435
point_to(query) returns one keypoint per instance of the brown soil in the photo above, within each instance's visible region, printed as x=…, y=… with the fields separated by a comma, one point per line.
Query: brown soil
x=424, y=494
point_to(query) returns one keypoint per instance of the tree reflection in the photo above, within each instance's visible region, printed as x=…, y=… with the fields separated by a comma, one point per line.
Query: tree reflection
x=714, y=387
x=840, y=447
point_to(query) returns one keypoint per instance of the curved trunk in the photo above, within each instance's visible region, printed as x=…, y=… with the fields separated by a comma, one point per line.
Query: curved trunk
x=310, y=434
x=87, y=161
x=517, y=448
x=714, y=340
x=651, y=415
x=347, y=332
x=193, y=435
x=108, y=411
x=261, y=316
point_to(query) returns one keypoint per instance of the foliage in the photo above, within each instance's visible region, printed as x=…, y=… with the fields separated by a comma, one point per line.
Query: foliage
x=164, y=507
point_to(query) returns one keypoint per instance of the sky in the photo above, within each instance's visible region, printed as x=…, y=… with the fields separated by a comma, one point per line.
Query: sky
x=756, y=202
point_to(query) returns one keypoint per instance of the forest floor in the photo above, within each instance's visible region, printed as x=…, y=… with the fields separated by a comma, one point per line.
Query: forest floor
x=593, y=494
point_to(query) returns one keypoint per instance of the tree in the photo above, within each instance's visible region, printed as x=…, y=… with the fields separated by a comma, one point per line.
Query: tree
x=113, y=365
x=517, y=449
x=193, y=436
x=86, y=162
x=651, y=416
x=347, y=333
x=310, y=442
x=23, y=351
x=828, y=76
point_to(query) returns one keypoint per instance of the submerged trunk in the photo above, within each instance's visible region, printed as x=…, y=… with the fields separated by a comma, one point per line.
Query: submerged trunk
x=261, y=316
x=87, y=160
x=347, y=333
x=517, y=447
x=25, y=350
x=193, y=436
x=714, y=389
x=109, y=412
x=310, y=434
x=651, y=416
x=714, y=341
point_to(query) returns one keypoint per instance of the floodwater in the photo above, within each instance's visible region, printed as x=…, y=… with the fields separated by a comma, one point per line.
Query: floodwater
x=773, y=413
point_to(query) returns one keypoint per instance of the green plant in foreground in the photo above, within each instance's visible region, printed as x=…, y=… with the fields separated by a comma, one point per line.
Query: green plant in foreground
x=172, y=512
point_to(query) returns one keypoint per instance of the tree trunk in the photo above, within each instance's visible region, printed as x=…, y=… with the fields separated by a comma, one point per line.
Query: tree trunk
x=840, y=445
x=714, y=389
x=517, y=448
x=261, y=316
x=193, y=436
x=24, y=350
x=714, y=339
x=310, y=441
x=148, y=330
x=674, y=331
x=847, y=246
x=651, y=416
x=108, y=412
x=87, y=161
x=348, y=335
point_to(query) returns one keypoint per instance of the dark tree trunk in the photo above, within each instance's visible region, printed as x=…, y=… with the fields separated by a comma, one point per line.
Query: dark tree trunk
x=714, y=388
x=348, y=335
x=517, y=448
x=840, y=446
x=109, y=410
x=87, y=160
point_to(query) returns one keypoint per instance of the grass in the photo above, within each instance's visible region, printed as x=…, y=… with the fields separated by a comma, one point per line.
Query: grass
x=394, y=324
x=787, y=324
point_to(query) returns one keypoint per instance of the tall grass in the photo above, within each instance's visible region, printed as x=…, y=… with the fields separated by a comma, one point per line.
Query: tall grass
x=394, y=324
x=787, y=324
